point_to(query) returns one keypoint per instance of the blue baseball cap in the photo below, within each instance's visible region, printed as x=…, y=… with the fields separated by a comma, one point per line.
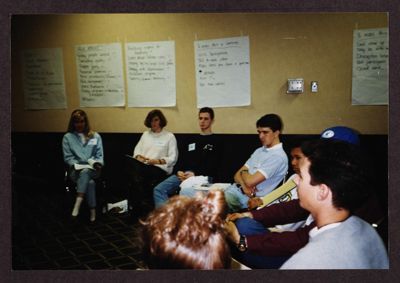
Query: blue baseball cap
x=341, y=133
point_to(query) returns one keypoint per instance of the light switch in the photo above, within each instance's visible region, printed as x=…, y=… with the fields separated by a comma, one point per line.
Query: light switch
x=295, y=86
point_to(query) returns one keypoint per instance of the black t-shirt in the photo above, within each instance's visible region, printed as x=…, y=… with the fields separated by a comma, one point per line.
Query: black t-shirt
x=203, y=155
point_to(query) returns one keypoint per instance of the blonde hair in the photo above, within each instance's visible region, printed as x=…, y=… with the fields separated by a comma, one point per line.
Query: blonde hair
x=76, y=115
x=188, y=233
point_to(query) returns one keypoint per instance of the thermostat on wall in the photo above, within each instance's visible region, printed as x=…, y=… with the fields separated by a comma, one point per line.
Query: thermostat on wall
x=295, y=86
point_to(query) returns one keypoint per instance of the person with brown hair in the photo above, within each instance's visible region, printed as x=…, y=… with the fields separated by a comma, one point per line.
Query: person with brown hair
x=331, y=185
x=83, y=154
x=187, y=233
x=202, y=158
x=264, y=170
x=265, y=248
x=154, y=158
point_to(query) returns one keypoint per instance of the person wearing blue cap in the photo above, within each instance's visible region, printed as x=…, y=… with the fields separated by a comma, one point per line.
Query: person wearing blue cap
x=268, y=249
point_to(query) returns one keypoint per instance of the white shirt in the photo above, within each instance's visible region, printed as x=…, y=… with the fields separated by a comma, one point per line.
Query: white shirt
x=160, y=145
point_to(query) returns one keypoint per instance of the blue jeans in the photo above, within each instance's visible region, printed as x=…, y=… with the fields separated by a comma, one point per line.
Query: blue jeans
x=235, y=199
x=85, y=184
x=188, y=191
x=249, y=226
x=164, y=189
x=192, y=191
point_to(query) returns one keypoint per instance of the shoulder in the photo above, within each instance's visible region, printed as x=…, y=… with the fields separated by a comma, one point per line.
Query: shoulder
x=355, y=220
x=96, y=135
x=214, y=137
x=278, y=149
x=348, y=230
x=68, y=136
x=168, y=134
x=279, y=152
x=146, y=133
x=207, y=138
x=356, y=223
x=272, y=159
x=259, y=150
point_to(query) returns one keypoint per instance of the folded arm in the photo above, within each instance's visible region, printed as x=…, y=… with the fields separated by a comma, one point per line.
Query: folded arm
x=248, y=181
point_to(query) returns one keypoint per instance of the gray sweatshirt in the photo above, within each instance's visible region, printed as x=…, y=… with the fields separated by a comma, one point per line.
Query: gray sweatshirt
x=354, y=244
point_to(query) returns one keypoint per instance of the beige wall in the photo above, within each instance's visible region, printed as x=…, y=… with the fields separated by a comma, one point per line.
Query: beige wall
x=321, y=50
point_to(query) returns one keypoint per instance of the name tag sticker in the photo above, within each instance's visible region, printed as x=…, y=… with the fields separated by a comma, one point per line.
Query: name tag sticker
x=92, y=142
x=191, y=147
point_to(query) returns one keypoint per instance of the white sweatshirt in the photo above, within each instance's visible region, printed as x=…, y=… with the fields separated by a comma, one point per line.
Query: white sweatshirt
x=160, y=145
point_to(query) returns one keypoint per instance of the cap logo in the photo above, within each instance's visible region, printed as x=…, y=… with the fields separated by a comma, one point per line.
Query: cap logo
x=328, y=134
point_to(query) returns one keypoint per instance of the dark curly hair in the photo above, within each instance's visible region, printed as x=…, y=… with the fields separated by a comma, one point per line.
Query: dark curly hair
x=187, y=233
x=341, y=167
x=155, y=113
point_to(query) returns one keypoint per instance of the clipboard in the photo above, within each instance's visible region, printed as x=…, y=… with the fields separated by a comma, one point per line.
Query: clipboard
x=277, y=193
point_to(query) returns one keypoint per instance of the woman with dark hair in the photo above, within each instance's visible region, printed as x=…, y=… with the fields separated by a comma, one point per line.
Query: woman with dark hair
x=156, y=153
x=187, y=233
x=83, y=154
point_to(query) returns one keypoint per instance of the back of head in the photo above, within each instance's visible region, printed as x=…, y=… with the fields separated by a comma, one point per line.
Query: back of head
x=187, y=233
x=272, y=121
x=340, y=166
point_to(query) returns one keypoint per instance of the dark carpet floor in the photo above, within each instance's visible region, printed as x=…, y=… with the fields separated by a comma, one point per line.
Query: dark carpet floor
x=44, y=237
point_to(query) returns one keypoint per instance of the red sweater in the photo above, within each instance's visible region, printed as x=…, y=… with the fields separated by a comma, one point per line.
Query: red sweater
x=279, y=243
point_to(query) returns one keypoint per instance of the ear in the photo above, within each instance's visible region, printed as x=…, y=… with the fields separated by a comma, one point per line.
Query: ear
x=324, y=192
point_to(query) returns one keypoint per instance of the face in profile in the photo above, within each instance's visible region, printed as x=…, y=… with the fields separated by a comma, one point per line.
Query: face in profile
x=267, y=136
x=306, y=191
x=297, y=156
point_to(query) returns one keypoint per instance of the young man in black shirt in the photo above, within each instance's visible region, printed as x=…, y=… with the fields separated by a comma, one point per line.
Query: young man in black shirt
x=202, y=158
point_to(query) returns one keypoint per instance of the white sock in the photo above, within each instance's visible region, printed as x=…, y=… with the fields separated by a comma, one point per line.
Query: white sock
x=77, y=205
x=92, y=214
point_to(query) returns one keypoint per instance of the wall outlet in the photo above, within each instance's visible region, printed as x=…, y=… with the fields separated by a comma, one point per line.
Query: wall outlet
x=314, y=86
